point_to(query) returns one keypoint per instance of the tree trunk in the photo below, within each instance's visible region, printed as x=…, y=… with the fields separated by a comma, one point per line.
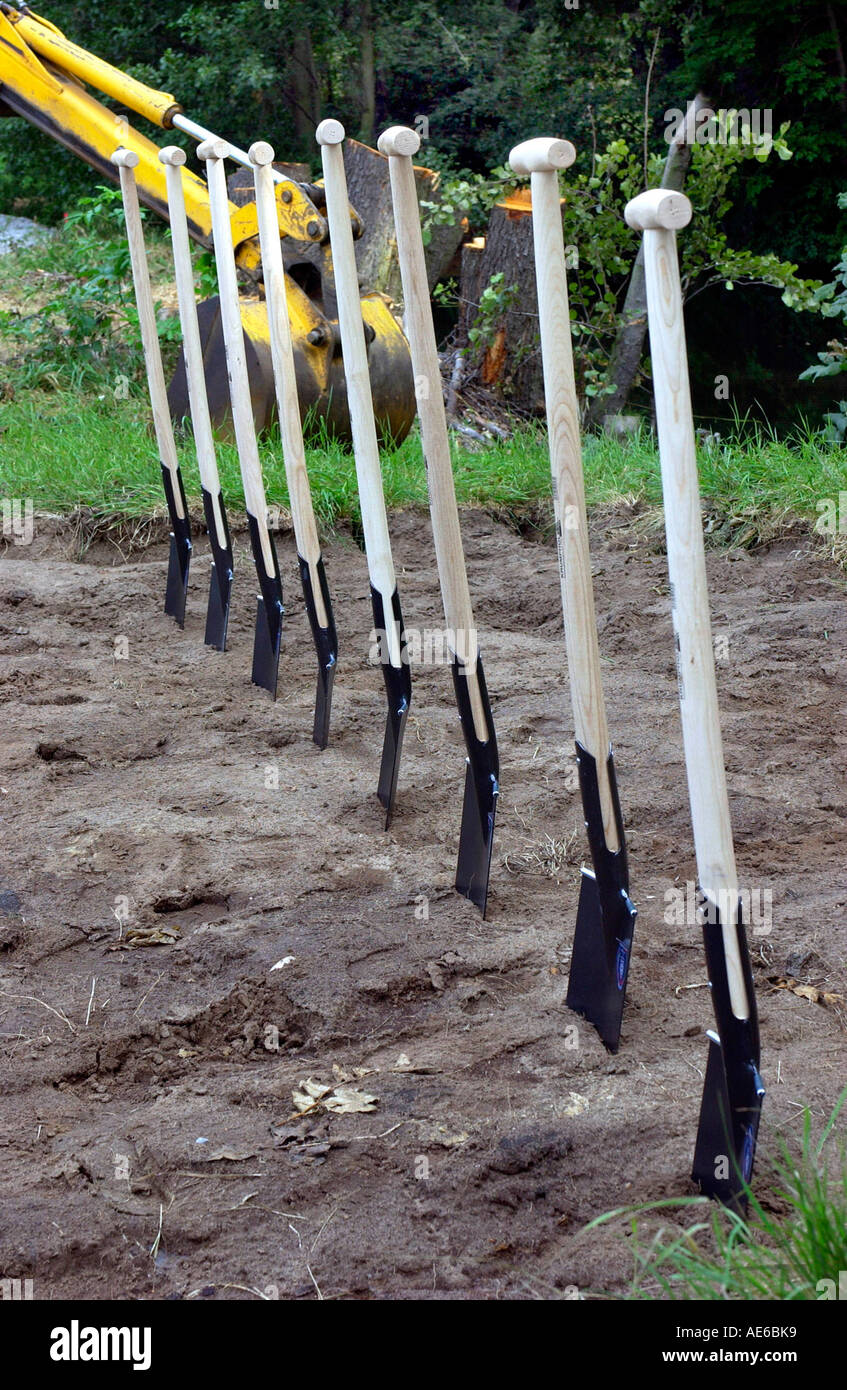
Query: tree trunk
x=369, y=190
x=508, y=358
x=625, y=357
x=839, y=55
x=305, y=88
x=368, y=81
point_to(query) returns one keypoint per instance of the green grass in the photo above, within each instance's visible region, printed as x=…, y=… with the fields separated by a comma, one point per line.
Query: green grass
x=63, y=451
x=66, y=448
x=793, y=1238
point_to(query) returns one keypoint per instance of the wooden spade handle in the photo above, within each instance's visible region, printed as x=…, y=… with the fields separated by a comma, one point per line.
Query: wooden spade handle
x=126, y=160
x=544, y=155
x=657, y=213
x=399, y=143
x=282, y=355
x=542, y=158
x=213, y=153
x=329, y=136
x=173, y=159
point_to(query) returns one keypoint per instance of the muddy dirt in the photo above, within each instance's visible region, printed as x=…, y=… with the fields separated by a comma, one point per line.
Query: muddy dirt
x=168, y=837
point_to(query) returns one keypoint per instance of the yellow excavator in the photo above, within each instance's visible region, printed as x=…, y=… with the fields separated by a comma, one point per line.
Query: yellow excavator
x=45, y=79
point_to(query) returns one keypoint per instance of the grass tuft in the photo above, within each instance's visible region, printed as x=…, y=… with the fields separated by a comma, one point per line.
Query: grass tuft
x=791, y=1245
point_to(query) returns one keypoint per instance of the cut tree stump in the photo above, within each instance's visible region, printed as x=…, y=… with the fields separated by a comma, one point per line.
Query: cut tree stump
x=376, y=250
x=508, y=361
x=370, y=194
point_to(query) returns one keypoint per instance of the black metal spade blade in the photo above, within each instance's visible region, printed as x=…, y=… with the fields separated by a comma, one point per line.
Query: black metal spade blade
x=732, y=1091
x=269, y=611
x=605, y=919
x=398, y=690
x=179, y=559
x=482, y=788
x=217, y=613
x=326, y=646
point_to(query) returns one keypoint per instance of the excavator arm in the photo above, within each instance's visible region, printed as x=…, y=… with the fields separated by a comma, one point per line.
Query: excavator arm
x=44, y=78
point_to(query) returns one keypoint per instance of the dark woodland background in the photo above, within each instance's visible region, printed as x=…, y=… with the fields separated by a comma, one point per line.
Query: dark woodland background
x=485, y=75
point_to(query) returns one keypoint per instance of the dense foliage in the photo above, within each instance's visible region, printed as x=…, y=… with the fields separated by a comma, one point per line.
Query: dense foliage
x=832, y=298
x=476, y=76
x=77, y=322
x=480, y=75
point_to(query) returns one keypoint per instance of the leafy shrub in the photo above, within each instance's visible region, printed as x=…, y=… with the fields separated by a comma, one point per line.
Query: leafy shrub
x=606, y=247
x=832, y=299
x=86, y=333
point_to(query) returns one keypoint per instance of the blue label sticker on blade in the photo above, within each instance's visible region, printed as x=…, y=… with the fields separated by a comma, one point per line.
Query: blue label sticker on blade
x=622, y=962
x=747, y=1153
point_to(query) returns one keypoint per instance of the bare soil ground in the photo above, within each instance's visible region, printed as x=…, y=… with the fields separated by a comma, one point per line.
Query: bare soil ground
x=167, y=836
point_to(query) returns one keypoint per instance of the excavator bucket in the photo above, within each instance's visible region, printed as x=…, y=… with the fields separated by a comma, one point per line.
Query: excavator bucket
x=45, y=78
x=321, y=385
x=313, y=320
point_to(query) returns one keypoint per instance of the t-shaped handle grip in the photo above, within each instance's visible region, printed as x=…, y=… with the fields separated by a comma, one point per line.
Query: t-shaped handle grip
x=173, y=155
x=330, y=132
x=656, y=209
x=261, y=153
x=213, y=149
x=125, y=159
x=399, y=140
x=542, y=156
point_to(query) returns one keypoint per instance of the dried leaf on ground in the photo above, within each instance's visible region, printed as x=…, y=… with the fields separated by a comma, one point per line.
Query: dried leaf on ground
x=340, y=1100
x=310, y=1095
x=827, y=998
x=351, y=1073
x=150, y=936
x=345, y=1100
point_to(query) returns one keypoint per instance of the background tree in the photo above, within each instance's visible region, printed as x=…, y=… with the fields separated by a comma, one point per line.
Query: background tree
x=479, y=75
